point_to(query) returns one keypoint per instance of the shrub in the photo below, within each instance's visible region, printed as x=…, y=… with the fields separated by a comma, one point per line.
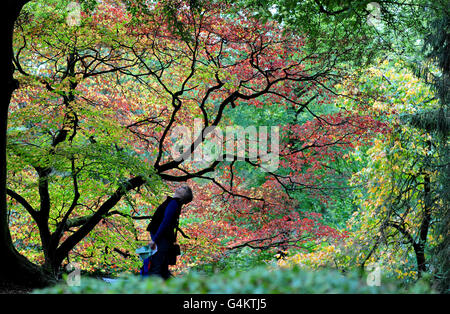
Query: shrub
x=258, y=280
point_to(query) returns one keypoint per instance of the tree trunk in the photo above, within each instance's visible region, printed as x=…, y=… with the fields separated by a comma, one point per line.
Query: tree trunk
x=15, y=269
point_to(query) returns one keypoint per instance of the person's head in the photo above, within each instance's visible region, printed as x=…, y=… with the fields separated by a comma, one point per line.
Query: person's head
x=184, y=193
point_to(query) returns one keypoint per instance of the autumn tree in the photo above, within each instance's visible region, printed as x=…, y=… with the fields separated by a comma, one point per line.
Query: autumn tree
x=222, y=60
x=74, y=134
x=195, y=63
x=15, y=268
x=114, y=89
